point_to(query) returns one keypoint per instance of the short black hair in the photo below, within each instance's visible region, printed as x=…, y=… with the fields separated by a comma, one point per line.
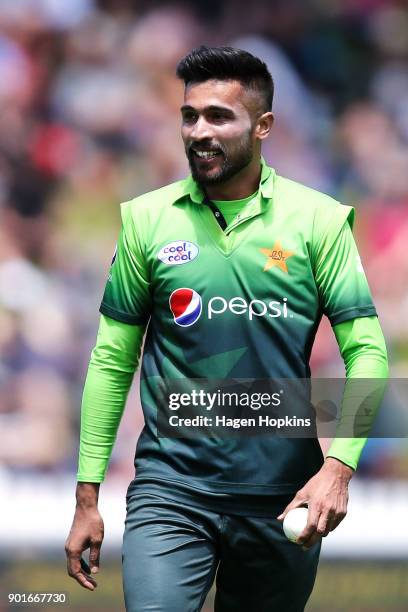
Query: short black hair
x=227, y=63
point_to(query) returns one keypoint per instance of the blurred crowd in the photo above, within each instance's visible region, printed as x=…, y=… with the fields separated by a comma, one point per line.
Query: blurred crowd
x=89, y=117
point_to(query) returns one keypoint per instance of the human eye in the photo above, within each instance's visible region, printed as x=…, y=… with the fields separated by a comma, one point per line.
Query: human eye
x=189, y=116
x=219, y=116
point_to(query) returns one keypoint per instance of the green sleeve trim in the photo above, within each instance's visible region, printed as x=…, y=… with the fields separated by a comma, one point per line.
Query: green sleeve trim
x=123, y=317
x=352, y=313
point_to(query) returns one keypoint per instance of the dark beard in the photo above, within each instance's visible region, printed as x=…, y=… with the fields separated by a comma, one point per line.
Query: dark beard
x=231, y=166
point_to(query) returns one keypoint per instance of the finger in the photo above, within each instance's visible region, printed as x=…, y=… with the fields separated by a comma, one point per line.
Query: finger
x=86, y=581
x=313, y=517
x=296, y=502
x=76, y=572
x=86, y=572
x=77, y=568
x=94, y=555
x=73, y=562
x=325, y=524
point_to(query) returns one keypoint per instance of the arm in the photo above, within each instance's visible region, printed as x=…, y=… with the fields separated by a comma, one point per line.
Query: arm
x=110, y=374
x=113, y=362
x=362, y=346
x=125, y=308
x=346, y=301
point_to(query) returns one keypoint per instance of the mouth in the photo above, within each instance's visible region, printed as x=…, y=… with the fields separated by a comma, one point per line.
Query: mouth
x=206, y=156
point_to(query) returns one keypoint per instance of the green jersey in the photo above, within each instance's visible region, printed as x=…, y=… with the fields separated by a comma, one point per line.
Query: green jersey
x=245, y=302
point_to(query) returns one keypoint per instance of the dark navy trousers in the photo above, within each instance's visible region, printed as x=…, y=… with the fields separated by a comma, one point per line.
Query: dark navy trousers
x=172, y=553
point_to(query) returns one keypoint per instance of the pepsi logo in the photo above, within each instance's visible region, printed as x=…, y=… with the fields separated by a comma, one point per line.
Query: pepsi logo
x=186, y=306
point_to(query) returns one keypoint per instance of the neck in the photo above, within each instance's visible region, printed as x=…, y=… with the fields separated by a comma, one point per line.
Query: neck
x=240, y=186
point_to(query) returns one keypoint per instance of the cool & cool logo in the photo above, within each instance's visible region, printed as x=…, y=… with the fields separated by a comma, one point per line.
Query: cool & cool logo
x=178, y=252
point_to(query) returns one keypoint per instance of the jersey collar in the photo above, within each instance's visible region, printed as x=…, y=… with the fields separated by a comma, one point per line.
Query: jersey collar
x=190, y=188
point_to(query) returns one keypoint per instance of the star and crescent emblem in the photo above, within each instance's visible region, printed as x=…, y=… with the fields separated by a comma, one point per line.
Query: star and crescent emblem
x=276, y=257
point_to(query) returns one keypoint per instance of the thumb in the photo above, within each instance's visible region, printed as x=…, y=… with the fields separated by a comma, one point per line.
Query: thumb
x=94, y=553
x=295, y=503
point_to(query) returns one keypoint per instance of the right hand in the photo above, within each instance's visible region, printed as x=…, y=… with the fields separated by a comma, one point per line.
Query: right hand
x=86, y=532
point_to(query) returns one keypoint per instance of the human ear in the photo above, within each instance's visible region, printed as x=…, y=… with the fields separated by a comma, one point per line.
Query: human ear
x=264, y=125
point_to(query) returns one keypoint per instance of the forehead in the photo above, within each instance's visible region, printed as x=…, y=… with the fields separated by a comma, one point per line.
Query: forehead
x=230, y=94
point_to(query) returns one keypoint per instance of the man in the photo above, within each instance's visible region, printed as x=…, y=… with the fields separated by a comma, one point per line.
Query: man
x=232, y=270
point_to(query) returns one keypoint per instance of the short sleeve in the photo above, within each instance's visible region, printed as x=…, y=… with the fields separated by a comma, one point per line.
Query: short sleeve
x=127, y=292
x=340, y=278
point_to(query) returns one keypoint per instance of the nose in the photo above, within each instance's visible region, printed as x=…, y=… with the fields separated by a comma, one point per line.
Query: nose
x=201, y=130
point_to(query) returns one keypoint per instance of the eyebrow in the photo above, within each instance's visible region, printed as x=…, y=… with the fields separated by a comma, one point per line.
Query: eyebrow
x=212, y=107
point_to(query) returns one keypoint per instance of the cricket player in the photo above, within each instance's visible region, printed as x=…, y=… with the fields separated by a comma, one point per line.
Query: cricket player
x=226, y=274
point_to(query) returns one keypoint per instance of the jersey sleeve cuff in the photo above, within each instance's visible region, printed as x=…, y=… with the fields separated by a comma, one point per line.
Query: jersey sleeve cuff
x=346, y=460
x=347, y=450
x=352, y=313
x=123, y=317
x=93, y=479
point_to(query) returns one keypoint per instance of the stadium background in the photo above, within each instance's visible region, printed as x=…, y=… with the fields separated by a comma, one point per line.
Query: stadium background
x=88, y=118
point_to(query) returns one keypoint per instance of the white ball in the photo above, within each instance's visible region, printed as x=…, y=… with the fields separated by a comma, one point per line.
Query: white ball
x=294, y=523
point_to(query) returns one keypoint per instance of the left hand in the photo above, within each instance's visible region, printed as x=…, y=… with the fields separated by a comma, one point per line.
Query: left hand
x=326, y=495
